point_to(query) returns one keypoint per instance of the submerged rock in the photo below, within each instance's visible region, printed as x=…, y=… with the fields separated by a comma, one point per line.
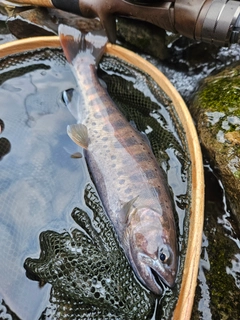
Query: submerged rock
x=217, y=114
x=143, y=36
x=88, y=271
x=32, y=22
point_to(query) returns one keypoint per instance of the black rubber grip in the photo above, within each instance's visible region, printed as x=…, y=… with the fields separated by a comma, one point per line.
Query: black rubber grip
x=67, y=5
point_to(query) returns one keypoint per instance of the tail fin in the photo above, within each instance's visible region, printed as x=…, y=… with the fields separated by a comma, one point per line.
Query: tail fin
x=75, y=42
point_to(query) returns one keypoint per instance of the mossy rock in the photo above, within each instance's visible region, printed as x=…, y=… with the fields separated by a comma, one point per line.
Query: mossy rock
x=217, y=115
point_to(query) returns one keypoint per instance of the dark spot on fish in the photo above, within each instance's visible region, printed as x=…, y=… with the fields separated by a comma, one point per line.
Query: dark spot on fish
x=104, y=138
x=130, y=142
x=110, y=110
x=141, y=157
x=120, y=173
x=113, y=157
x=128, y=190
x=113, y=165
x=91, y=90
x=97, y=115
x=136, y=177
x=122, y=181
x=106, y=128
x=93, y=123
x=119, y=124
x=150, y=174
x=117, y=144
x=93, y=102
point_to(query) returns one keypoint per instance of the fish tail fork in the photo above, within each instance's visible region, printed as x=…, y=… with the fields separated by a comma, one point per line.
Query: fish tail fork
x=78, y=44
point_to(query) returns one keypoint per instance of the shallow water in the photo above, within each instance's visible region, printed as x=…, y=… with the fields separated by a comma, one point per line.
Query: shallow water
x=39, y=185
x=218, y=294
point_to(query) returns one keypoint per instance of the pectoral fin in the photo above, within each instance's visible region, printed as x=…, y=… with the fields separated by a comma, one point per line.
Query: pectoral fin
x=128, y=208
x=79, y=134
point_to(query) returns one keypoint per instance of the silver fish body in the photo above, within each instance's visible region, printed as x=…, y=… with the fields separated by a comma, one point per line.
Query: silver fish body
x=131, y=185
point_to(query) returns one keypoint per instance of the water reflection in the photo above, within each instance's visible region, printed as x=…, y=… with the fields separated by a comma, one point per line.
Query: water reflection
x=1, y=125
x=217, y=294
x=5, y=145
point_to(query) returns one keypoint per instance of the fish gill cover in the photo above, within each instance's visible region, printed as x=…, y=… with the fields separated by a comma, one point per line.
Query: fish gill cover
x=89, y=274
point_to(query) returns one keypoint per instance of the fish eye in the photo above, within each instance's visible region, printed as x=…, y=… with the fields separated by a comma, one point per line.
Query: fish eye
x=162, y=257
x=164, y=254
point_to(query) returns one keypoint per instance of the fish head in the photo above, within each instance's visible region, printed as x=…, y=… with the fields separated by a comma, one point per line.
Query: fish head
x=152, y=248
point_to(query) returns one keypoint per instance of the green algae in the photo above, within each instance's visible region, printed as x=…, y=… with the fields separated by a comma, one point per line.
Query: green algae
x=220, y=95
x=222, y=292
x=216, y=110
x=237, y=174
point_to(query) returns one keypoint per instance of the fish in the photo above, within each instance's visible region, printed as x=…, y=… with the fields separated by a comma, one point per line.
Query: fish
x=131, y=184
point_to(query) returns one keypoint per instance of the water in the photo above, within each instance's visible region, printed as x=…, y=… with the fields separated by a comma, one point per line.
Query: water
x=218, y=294
x=39, y=184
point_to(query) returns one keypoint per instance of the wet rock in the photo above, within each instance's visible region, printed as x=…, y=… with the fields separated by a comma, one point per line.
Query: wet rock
x=5, y=12
x=217, y=294
x=217, y=114
x=30, y=23
x=59, y=16
x=34, y=22
x=143, y=36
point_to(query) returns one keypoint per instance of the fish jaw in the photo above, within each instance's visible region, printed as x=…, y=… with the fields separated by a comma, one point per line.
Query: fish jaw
x=153, y=274
x=152, y=250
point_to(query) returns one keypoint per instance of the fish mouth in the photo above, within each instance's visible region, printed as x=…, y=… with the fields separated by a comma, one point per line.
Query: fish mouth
x=158, y=280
